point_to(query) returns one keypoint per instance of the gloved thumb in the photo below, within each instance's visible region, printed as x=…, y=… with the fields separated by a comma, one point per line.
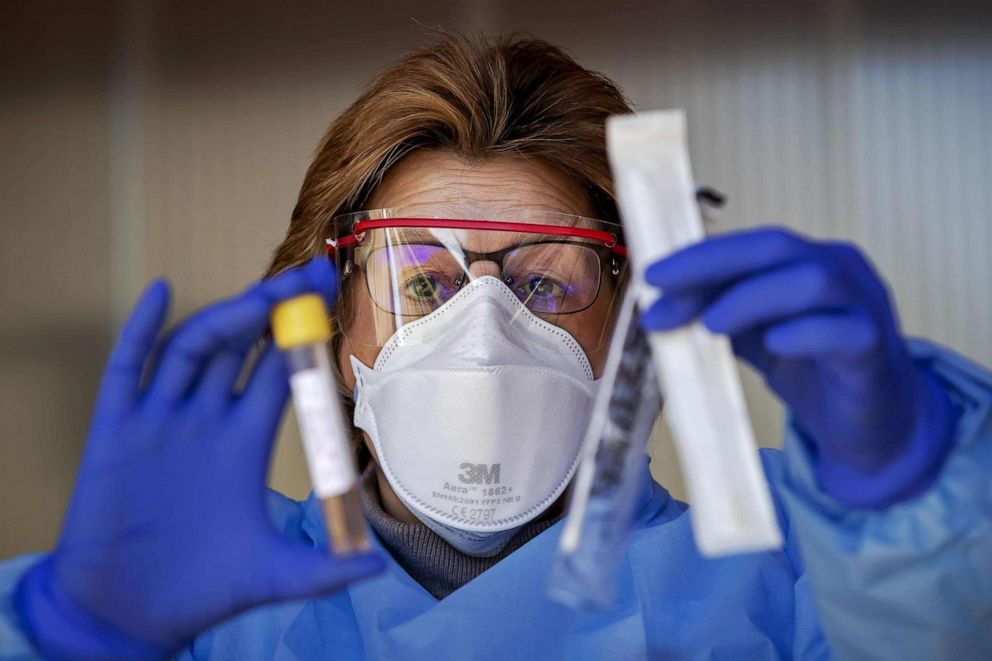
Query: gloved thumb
x=300, y=572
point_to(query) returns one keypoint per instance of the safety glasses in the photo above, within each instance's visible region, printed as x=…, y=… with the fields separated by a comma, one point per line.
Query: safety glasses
x=397, y=267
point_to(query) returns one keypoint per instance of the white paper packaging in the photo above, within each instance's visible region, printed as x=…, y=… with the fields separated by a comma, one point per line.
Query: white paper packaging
x=704, y=406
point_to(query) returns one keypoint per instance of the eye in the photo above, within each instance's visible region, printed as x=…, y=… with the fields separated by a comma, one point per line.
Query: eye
x=542, y=287
x=540, y=293
x=421, y=286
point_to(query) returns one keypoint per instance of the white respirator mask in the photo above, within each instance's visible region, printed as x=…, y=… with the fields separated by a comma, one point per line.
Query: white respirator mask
x=477, y=412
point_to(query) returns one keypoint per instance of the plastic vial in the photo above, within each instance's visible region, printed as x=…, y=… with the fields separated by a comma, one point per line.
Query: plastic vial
x=302, y=329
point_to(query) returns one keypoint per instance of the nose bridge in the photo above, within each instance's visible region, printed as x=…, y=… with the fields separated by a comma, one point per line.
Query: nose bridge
x=482, y=267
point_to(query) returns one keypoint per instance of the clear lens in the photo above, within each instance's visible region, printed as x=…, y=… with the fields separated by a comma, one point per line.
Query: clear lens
x=553, y=277
x=412, y=279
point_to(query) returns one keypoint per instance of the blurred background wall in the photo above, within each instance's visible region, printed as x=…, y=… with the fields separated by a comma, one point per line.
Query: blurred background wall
x=170, y=138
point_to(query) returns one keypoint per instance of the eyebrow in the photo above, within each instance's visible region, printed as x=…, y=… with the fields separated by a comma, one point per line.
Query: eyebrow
x=409, y=235
x=419, y=235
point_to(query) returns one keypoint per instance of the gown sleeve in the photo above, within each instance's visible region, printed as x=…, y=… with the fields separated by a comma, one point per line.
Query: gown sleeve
x=14, y=643
x=912, y=581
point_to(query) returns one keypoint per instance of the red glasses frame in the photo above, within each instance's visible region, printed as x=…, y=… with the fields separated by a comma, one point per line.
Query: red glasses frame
x=608, y=239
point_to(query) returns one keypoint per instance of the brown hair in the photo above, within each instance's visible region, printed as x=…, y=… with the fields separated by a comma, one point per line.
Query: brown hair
x=472, y=97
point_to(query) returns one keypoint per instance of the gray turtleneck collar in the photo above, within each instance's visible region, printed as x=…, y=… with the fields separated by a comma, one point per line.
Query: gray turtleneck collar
x=439, y=567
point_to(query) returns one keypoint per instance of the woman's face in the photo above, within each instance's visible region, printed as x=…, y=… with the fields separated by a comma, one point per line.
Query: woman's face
x=432, y=183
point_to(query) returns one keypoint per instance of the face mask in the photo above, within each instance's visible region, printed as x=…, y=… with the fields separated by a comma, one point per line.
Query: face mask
x=477, y=412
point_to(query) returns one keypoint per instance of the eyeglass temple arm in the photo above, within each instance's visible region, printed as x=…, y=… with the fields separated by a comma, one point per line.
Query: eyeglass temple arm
x=710, y=197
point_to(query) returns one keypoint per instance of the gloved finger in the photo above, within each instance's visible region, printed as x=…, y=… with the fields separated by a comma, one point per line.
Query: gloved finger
x=321, y=272
x=121, y=383
x=780, y=293
x=846, y=334
x=726, y=257
x=216, y=385
x=262, y=402
x=300, y=572
x=869, y=282
x=233, y=325
x=750, y=347
x=673, y=310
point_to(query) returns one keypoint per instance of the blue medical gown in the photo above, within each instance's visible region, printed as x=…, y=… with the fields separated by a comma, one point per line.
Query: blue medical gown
x=911, y=582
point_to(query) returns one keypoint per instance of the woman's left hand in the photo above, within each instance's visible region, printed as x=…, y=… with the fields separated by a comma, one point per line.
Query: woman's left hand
x=815, y=319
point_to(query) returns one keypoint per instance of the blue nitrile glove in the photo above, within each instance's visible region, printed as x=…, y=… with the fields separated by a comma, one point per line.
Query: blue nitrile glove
x=167, y=531
x=815, y=320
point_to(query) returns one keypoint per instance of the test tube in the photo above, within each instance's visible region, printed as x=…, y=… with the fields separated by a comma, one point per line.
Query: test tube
x=301, y=329
x=611, y=476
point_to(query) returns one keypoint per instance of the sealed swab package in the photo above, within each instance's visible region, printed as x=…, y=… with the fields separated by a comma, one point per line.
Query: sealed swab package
x=704, y=405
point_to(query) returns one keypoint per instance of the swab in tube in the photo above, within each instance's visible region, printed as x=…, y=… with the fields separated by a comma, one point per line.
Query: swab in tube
x=704, y=405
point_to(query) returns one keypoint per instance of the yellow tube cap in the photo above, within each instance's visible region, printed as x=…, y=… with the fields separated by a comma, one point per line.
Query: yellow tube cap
x=300, y=320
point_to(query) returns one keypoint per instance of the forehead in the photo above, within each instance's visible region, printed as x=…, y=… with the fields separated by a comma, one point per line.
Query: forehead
x=440, y=183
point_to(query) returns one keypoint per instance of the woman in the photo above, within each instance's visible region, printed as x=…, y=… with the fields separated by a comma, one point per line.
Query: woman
x=477, y=259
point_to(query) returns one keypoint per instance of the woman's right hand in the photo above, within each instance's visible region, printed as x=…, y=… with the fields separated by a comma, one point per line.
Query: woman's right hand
x=167, y=532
